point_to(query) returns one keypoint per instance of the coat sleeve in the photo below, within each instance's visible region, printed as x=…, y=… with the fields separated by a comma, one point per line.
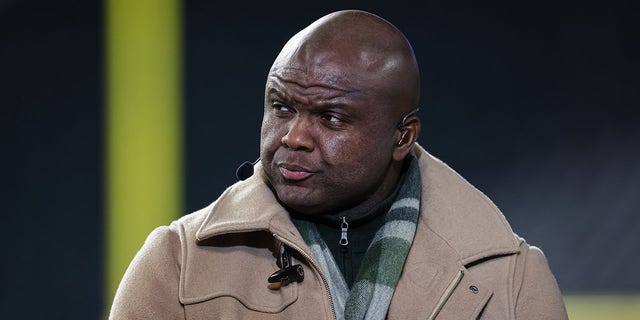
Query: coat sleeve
x=150, y=286
x=538, y=296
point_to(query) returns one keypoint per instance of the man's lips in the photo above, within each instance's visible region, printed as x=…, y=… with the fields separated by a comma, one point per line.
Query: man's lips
x=294, y=172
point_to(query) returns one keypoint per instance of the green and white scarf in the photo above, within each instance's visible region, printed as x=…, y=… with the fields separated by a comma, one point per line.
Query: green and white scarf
x=382, y=264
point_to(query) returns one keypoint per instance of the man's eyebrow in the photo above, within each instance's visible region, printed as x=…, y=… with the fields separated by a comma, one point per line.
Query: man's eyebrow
x=332, y=105
x=277, y=93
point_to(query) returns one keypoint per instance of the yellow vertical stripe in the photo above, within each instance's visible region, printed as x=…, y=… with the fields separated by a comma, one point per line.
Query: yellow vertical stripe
x=143, y=126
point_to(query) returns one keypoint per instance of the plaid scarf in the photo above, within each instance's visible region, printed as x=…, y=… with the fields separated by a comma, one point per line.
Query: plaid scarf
x=382, y=264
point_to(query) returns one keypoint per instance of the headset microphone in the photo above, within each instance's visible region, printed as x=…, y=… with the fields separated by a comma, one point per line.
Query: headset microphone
x=245, y=170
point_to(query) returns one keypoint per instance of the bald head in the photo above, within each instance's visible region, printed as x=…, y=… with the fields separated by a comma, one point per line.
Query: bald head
x=355, y=50
x=337, y=124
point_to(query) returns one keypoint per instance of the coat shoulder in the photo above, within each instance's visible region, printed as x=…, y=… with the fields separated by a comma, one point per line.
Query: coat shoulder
x=536, y=290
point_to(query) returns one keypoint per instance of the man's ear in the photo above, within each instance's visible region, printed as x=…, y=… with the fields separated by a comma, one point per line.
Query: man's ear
x=406, y=137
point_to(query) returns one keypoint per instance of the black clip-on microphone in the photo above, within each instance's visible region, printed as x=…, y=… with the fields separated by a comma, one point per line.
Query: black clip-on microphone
x=245, y=170
x=288, y=272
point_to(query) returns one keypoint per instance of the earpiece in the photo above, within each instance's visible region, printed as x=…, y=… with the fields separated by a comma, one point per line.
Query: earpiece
x=401, y=140
x=403, y=127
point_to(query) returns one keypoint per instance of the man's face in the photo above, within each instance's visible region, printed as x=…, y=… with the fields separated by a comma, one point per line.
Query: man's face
x=327, y=136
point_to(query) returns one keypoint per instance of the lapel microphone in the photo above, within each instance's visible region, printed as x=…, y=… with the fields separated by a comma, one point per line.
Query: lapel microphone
x=245, y=170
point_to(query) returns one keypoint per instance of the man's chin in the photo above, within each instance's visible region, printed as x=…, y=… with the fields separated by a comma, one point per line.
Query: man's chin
x=304, y=208
x=299, y=200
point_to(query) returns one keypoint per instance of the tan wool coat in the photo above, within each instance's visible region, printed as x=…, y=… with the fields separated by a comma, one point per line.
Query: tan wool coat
x=465, y=262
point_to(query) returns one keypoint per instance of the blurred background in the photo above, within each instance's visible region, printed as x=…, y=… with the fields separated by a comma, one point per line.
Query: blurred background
x=117, y=118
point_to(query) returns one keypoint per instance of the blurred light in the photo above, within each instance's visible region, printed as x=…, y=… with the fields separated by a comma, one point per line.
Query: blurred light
x=143, y=126
x=592, y=307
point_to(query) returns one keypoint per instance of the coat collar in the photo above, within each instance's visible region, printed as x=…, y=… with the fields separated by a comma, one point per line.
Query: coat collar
x=246, y=206
x=454, y=210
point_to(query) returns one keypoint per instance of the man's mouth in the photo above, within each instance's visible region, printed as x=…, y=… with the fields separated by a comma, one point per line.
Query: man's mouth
x=294, y=172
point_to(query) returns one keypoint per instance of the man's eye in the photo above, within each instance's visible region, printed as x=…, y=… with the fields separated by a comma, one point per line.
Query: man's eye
x=279, y=107
x=333, y=119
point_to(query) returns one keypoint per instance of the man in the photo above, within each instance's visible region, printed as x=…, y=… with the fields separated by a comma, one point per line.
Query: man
x=345, y=216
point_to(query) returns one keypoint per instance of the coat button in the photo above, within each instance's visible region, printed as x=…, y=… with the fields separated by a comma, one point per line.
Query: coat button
x=474, y=289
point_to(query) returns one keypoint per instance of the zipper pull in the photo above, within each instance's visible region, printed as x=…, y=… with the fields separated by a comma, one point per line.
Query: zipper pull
x=344, y=226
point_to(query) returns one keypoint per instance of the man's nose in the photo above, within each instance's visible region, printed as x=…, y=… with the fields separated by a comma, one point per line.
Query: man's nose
x=299, y=136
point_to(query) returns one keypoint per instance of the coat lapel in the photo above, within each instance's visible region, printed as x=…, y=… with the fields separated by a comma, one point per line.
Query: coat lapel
x=435, y=284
